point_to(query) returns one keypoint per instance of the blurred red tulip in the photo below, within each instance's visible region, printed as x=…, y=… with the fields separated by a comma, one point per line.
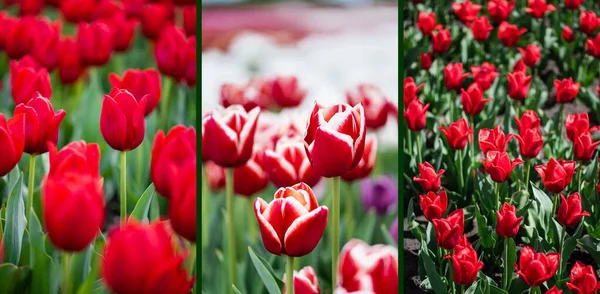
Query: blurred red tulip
x=509, y=34
x=535, y=267
x=556, y=174
x=76, y=11
x=251, y=178
x=457, y=134
x=578, y=123
x=500, y=10
x=285, y=91
x=588, y=22
x=566, y=90
x=554, y=290
x=46, y=50
x=465, y=263
x=584, y=147
x=434, y=205
x=124, y=31
x=7, y=22
x=288, y=163
x=374, y=101
x=216, y=176
x=122, y=120
x=582, y=279
x=466, y=11
x=133, y=8
x=140, y=83
x=95, y=43
x=21, y=38
x=426, y=60
x=472, y=100
x=449, y=230
x=182, y=204
x=253, y=94
x=498, y=165
x=427, y=23
x=518, y=85
x=26, y=81
x=508, y=224
x=481, y=28
x=41, y=124
x=537, y=8
x=429, y=178
x=531, y=55
x=529, y=120
x=305, y=281
x=520, y=66
x=484, y=75
x=454, y=76
x=530, y=143
x=107, y=9
x=190, y=68
x=593, y=46
x=410, y=90
x=367, y=269
x=573, y=4
x=30, y=7
x=570, y=211
x=12, y=140
x=493, y=140
x=189, y=20
x=70, y=67
x=170, y=57
x=567, y=34
x=366, y=164
x=154, y=17
x=440, y=42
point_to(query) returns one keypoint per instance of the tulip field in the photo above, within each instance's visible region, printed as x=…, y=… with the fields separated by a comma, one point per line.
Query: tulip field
x=98, y=146
x=501, y=111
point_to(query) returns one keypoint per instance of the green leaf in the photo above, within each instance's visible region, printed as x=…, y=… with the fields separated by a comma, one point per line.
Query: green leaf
x=542, y=210
x=140, y=212
x=568, y=247
x=263, y=272
x=385, y=232
x=368, y=227
x=591, y=171
x=15, y=223
x=592, y=246
x=414, y=226
x=485, y=231
x=434, y=277
x=236, y=290
x=80, y=266
x=14, y=279
x=45, y=274
x=510, y=254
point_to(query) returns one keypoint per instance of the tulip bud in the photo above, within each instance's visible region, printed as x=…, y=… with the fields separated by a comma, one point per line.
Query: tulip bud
x=304, y=221
x=305, y=281
x=484, y=75
x=481, y=28
x=508, y=224
x=466, y=11
x=449, y=230
x=410, y=90
x=556, y=174
x=70, y=67
x=12, y=140
x=430, y=179
x=289, y=164
x=531, y=55
x=122, y=120
x=367, y=162
x=518, y=85
x=457, y=134
x=582, y=279
x=434, y=205
x=95, y=43
x=440, y=42
x=26, y=81
x=577, y=124
x=171, y=60
x=141, y=258
x=426, y=60
x=531, y=143
x=570, y=211
x=472, y=100
x=535, y=267
x=465, y=263
x=498, y=165
x=427, y=23
x=154, y=17
x=537, y=8
x=139, y=83
x=509, y=34
x=182, y=204
x=379, y=194
x=41, y=124
x=567, y=34
x=588, y=22
x=493, y=140
x=286, y=92
x=454, y=76
x=171, y=151
x=529, y=120
x=566, y=90
x=371, y=269
x=499, y=10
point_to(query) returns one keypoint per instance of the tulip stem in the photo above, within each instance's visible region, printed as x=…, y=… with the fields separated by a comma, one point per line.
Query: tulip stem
x=417, y=141
x=30, y=186
x=497, y=190
x=349, y=212
x=205, y=197
x=460, y=170
x=462, y=289
x=66, y=283
x=562, y=243
x=230, y=224
x=140, y=166
x=191, y=260
x=562, y=119
x=472, y=123
x=335, y=242
x=164, y=104
x=123, y=193
x=527, y=172
x=251, y=218
x=289, y=275
x=535, y=290
x=579, y=177
x=506, y=278
x=452, y=101
x=554, y=205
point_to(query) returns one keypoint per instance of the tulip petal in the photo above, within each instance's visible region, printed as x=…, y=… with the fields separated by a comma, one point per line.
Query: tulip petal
x=113, y=124
x=331, y=153
x=305, y=232
x=269, y=235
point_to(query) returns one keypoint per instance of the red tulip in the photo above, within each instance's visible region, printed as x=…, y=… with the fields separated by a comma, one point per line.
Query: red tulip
x=557, y=174
x=46, y=49
x=339, y=127
x=529, y=120
x=509, y=34
x=484, y=75
x=593, y=46
x=457, y=134
x=535, y=268
x=305, y=281
x=466, y=11
x=182, y=204
x=520, y=66
x=171, y=60
x=449, y=230
x=293, y=223
x=415, y=115
x=367, y=269
x=95, y=43
x=366, y=164
x=251, y=177
x=41, y=124
x=454, y=76
x=78, y=158
x=573, y=4
x=500, y=10
x=216, y=176
x=170, y=153
x=189, y=20
x=498, y=166
x=106, y=9
x=410, y=90
x=554, y=290
x=288, y=164
x=7, y=22
x=229, y=135
x=472, y=100
x=518, y=85
x=190, y=68
x=508, y=224
x=253, y=94
x=566, y=90
x=122, y=120
x=70, y=67
x=12, y=140
x=582, y=279
x=481, y=28
x=133, y=8
x=427, y=23
x=426, y=60
x=440, y=41
x=537, y=8
x=584, y=147
x=578, y=123
x=588, y=22
x=493, y=140
x=430, y=179
x=30, y=7
x=530, y=143
x=76, y=11
x=154, y=17
x=567, y=34
x=376, y=104
x=26, y=81
x=286, y=92
x=140, y=83
x=434, y=205
x=531, y=55
x=20, y=38
x=142, y=258
x=124, y=31
x=465, y=263
x=570, y=211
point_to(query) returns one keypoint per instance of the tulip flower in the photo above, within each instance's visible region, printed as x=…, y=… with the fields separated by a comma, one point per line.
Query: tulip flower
x=106, y=9
x=567, y=34
x=75, y=158
x=366, y=164
x=472, y=100
x=304, y=221
x=582, y=279
x=493, y=140
x=531, y=55
x=76, y=11
x=370, y=269
x=529, y=120
x=465, y=263
x=141, y=258
x=434, y=205
x=154, y=17
x=27, y=81
x=125, y=30
x=46, y=49
x=20, y=37
x=229, y=144
x=466, y=11
x=215, y=176
x=250, y=95
x=190, y=69
x=577, y=124
x=430, y=179
x=286, y=92
x=426, y=60
x=171, y=60
x=518, y=85
x=566, y=90
x=251, y=177
x=440, y=41
x=449, y=230
x=122, y=120
x=531, y=143
x=554, y=290
x=410, y=90
x=499, y=10
x=588, y=22
x=376, y=104
x=182, y=204
x=12, y=138
x=573, y=4
x=95, y=43
x=570, y=211
x=427, y=23
x=584, y=147
x=520, y=66
x=454, y=76
x=508, y=224
x=484, y=75
x=7, y=22
x=140, y=83
x=481, y=28
x=41, y=124
x=70, y=66
x=379, y=194
x=556, y=174
x=537, y=8
x=339, y=127
x=189, y=20
x=535, y=267
x=593, y=46
x=30, y=7
x=457, y=134
x=509, y=34
x=288, y=163
x=170, y=153
x=498, y=165
x=305, y=281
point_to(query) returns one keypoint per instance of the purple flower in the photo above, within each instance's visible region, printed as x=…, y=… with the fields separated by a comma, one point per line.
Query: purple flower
x=394, y=230
x=379, y=194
